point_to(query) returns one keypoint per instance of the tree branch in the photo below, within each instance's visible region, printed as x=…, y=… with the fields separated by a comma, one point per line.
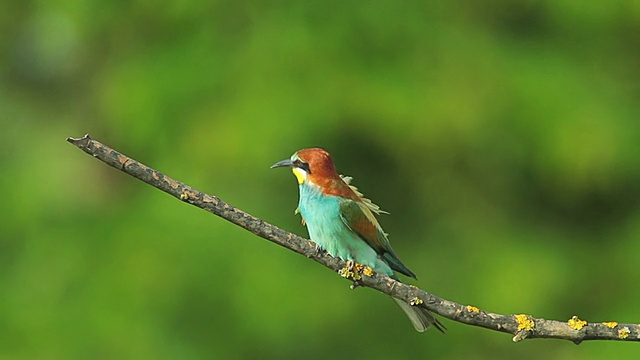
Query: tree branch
x=521, y=326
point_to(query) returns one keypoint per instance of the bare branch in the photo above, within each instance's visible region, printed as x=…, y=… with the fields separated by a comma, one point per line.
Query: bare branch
x=520, y=326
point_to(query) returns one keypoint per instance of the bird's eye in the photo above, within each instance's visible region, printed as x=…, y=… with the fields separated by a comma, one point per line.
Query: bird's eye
x=297, y=163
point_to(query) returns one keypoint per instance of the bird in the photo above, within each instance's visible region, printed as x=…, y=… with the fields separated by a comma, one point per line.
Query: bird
x=342, y=222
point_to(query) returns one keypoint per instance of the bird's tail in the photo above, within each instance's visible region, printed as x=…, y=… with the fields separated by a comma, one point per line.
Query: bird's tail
x=421, y=318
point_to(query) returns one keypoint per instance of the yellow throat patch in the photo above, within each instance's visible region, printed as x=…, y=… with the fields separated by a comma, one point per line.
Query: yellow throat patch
x=300, y=175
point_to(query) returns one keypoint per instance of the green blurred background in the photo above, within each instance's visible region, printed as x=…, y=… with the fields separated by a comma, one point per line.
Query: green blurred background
x=502, y=137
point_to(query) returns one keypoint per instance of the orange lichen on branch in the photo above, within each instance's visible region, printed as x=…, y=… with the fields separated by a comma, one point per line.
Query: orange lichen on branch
x=575, y=323
x=472, y=309
x=415, y=301
x=610, y=324
x=367, y=271
x=351, y=271
x=524, y=322
x=624, y=333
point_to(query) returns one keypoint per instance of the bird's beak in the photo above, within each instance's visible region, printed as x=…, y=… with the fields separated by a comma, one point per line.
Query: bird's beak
x=282, y=163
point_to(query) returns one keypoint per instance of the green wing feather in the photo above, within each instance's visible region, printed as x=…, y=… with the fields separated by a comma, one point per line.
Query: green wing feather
x=358, y=217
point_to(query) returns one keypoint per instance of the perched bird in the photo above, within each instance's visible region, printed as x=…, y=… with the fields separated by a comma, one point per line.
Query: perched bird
x=341, y=221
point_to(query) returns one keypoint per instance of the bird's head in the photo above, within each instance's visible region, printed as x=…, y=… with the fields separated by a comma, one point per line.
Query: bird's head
x=313, y=165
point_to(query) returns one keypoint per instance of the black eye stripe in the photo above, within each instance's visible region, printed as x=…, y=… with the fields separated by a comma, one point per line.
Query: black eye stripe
x=302, y=165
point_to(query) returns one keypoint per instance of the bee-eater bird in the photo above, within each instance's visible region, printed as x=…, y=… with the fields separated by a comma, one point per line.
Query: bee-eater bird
x=341, y=221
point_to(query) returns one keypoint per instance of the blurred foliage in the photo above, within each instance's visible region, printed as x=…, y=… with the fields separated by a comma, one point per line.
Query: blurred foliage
x=502, y=136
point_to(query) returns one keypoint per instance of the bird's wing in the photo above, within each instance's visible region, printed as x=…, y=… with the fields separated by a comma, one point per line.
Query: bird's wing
x=358, y=217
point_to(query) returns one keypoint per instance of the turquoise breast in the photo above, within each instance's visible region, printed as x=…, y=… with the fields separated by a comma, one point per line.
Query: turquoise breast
x=326, y=228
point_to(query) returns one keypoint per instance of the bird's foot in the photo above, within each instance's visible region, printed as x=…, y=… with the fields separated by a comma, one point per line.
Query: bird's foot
x=352, y=265
x=353, y=271
x=348, y=272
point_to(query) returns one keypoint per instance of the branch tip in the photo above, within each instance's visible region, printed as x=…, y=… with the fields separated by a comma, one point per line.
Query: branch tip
x=77, y=141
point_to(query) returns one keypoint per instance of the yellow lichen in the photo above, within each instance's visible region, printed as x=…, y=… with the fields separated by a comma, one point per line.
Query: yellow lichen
x=367, y=271
x=472, y=309
x=348, y=272
x=575, y=323
x=524, y=322
x=415, y=301
x=624, y=333
x=610, y=324
x=184, y=196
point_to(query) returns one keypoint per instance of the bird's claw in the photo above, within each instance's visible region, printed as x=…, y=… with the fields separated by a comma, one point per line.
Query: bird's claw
x=351, y=265
x=352, y=271
x=347, y=271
